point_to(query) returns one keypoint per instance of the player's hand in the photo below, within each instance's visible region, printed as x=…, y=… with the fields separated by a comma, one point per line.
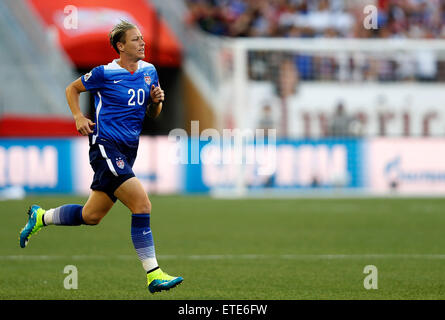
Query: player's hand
x=84, y=125
x=156, y=94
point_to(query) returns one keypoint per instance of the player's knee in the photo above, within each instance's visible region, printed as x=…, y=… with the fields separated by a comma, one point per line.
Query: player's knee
x=91, y=219
x=142, y=207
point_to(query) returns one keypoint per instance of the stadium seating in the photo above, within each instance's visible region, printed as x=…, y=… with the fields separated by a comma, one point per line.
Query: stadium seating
x=320, y=18
x=34, y=70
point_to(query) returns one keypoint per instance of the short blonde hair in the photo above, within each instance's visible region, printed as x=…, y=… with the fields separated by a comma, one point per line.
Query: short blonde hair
x=117, y=34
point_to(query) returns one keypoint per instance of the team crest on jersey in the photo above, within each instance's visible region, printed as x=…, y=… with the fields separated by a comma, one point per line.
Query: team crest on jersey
x=120, y=163
x=87, y=75
x=147, y=80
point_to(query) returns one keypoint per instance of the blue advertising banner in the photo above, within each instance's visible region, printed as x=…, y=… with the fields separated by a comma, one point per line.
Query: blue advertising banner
x=36, y=165
x=190, y=165
x=288, y=164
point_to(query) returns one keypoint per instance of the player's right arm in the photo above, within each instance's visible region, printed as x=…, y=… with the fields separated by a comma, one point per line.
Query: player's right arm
x=72, y=92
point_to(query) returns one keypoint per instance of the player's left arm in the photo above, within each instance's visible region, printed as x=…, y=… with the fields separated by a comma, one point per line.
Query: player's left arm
x=157, y=98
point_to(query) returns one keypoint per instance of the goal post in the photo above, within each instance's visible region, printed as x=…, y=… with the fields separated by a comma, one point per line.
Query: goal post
x=258, y=70
x=386, y=87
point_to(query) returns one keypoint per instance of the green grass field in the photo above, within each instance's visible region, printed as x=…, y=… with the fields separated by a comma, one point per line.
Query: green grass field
x=235, y=249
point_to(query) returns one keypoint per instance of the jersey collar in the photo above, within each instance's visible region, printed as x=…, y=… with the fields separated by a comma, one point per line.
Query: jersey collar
x=115, y=65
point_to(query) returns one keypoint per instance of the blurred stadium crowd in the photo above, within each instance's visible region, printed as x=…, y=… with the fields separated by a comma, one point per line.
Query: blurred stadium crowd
x=397, y=19
x=318, y=18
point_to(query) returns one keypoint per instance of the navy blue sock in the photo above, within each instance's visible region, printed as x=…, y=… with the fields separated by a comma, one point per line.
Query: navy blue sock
x=143, y=240
x=68, y=215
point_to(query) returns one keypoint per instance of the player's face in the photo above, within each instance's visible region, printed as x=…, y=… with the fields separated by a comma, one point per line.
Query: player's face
x=134, y=44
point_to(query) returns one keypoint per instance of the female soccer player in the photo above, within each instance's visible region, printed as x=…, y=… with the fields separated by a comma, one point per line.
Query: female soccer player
x=124, y=91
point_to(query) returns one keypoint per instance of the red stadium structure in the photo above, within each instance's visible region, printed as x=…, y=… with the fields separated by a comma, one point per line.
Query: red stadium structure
x=81, y=28
x=86, y=41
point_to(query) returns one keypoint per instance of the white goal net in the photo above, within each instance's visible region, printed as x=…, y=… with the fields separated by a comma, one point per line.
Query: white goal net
x=390, y=87
x=325, y=98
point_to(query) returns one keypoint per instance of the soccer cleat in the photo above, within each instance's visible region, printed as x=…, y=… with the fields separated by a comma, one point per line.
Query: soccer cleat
x=158, y=280
x=34, y=224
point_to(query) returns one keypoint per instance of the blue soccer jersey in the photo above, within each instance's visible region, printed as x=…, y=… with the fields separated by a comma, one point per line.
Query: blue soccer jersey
x=121, y=100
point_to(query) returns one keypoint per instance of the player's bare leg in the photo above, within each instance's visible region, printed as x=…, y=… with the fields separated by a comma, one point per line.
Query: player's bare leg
x=132, y=194
x=96, y=207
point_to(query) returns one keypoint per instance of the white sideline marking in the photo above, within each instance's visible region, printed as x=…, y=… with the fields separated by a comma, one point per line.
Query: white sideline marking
x=229, y=257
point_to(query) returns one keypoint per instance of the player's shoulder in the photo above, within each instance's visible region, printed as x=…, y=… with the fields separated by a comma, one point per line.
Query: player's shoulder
x=96, y=74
